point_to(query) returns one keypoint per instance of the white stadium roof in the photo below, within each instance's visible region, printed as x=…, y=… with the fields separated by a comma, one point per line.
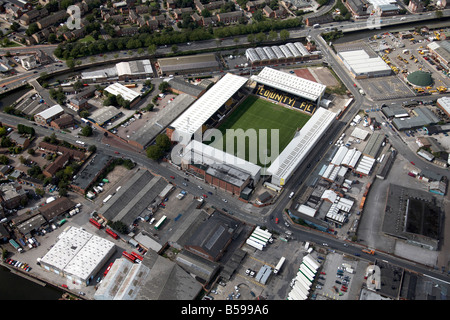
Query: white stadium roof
x=208, y=104
x=290, y=83
x=294, y=153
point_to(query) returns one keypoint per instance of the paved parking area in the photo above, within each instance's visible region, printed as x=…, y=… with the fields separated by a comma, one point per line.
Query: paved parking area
x=384, y=88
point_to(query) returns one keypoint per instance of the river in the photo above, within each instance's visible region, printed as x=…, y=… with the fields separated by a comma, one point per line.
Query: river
x=14, y=287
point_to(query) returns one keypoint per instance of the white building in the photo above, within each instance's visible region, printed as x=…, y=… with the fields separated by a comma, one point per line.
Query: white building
x=361, y=65
x=78, y=255
x=295, y=152
x=28, y=62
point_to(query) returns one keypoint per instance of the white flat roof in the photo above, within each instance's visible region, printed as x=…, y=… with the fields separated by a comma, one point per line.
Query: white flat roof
x=201, y=110
x=300, y=145
x=444, y=102
x=290, y=83
x=360, y=62
x=78, y=252
x=126, y=93
x=50, y=112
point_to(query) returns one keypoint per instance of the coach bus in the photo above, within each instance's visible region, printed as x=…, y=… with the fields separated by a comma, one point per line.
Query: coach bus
x=95, y=223
x=112, y=234
x=160, y=222
x=129, y=256
x=134, y=254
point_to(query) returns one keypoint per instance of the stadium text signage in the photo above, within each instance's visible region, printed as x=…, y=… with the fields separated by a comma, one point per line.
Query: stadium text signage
x=292, y=101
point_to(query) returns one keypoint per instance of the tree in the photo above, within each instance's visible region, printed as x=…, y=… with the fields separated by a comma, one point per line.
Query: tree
x=151, y=49
x=284, y=34
x=86, y=131
x=92, y=148
x=154, y=152
x=163, y=142
x=70, y=63
x=14, y=26
x=174, y=48
x=164, y=86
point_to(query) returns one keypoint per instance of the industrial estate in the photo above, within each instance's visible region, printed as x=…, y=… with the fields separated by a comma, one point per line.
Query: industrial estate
x=226, y=150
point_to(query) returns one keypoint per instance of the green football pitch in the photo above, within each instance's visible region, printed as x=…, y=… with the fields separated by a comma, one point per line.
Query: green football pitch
x=256, y=113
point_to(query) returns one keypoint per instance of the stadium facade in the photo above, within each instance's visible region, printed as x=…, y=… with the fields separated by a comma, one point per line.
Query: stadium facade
x=227, y=171
x=301, y=93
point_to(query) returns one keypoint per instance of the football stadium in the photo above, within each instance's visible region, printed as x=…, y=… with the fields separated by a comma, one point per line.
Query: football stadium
x=272, y=99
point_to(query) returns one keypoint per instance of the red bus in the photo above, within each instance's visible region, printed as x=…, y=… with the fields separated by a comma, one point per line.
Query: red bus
x=107, y=269
x=134, y=254
x=129, y=256
x=95, y=223
x=112, y=234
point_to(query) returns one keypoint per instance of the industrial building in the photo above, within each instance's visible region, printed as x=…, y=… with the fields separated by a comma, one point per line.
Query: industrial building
x=122, y=71
x=155, y=278
x=373, y=145
x=361, y=65
x=423, y=117
x=104, y=115
x=87, y=175
x=78, y=255
x=128, y=94
x=199, y=63
x=45, y=117
x=295, y=152
x=414, y=216
x=139, y=196
x=441, y=49
x=287, y=53
x=444, y=104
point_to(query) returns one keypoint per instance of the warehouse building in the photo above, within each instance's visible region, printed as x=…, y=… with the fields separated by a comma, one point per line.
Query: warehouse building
x=139, y=196
x=127, y=70
x=78, y=255
x=87, y=175
x=288, y=53
x=441, y=49
x=373, y=145
x=45, y=117
x=414, y=216
x=423, y=117
x=199, y=63
x=104, y=115
x=155, y=278
x=444, y=104
x=361, y=65
x=180, y=86
x=295, y=152
x=128, y=94
x=212, y=237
